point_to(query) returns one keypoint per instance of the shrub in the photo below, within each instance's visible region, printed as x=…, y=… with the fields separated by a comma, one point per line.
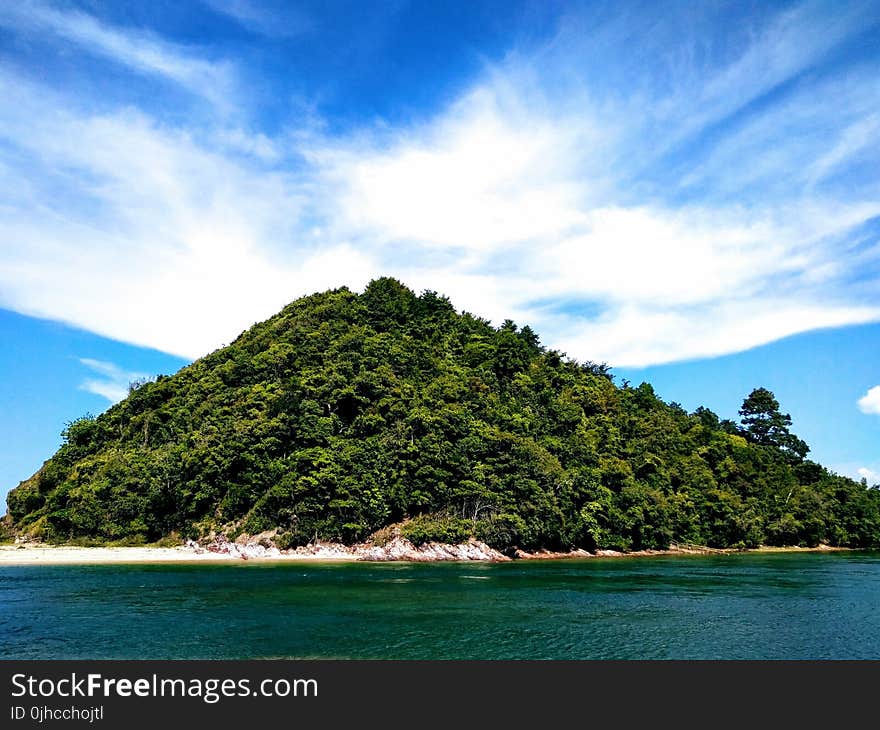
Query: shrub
x=380, y=538
x=171, y=540
x=436, y=528
x=501, y=532
x=288, y=540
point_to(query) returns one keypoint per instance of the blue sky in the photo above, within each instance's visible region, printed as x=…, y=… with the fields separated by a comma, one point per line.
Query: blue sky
x=687, y=191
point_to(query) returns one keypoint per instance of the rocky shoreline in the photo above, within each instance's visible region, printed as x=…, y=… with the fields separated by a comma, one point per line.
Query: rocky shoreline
x=398, y=548
x=395, y=549
x=261, y=548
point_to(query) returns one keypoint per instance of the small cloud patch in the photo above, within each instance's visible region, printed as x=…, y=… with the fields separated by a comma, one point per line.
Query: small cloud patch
x=869, y=475
x=870, y=401
x=112, y=382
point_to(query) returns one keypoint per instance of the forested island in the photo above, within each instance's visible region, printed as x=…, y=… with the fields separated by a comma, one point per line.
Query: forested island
x=347, y=415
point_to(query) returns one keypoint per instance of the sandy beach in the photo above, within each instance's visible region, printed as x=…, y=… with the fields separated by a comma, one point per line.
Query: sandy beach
x=64, y=555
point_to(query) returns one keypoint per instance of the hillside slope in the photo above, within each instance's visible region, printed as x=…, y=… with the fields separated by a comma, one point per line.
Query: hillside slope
x=346, y=413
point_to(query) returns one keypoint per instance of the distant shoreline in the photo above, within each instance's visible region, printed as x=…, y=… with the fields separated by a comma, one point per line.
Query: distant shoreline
x=31, y=554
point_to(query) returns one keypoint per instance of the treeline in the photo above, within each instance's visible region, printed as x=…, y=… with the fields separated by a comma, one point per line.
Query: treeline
x=346, y=413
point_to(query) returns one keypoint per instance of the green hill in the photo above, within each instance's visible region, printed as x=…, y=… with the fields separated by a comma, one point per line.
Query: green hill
x=346, y=413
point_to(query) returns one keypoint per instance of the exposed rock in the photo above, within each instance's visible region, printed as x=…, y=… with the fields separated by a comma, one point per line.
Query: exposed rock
x=193, y=546
x=550, y=555
x=324, y=551
x=245, y=550
x=608, y=553
x=402, y=549
x=397, y=548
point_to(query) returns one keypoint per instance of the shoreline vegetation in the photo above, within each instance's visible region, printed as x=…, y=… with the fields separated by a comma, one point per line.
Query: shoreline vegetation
x=397, y=550
x=396, y=424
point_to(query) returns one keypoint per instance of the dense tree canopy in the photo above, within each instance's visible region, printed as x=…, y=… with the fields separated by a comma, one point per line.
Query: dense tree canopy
x=346, y=413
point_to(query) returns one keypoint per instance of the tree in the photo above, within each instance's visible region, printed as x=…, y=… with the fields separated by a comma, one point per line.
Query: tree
x=766, y=425
x=349, y=413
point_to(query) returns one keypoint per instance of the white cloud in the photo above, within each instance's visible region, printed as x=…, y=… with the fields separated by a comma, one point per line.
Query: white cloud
x=870, y=475
x=520, y=203
x=166, y=245
x=870, y=401
x=113, y=382
x=284, y=21
x=793, y=41
x=141, y=51
x=533, y=196
x=486, y=174
x=640, y=336
x=853, y=140
x=813, y=131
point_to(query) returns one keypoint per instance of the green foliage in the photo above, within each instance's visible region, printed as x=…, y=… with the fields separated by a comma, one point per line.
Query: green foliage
x=436, y=528
x=381, y=537
x=347, y=413
x=6, y=533
x=766, y=425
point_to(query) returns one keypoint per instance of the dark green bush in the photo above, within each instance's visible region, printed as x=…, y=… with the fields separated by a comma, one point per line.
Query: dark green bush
x=436, y=528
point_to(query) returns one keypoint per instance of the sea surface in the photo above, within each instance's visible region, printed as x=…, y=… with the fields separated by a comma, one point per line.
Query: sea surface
x=747, y=606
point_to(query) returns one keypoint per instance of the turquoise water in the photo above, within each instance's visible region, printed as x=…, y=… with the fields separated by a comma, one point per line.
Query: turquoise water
x=740, y=606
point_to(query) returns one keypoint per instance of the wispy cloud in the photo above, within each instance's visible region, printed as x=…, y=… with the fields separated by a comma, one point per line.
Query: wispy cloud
x=870, y=401
x=113, y=382
x=276, y=20
x=772, y=54
x=139, y=50
x=512, y=209
x=709, y=214
x=161, y=243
